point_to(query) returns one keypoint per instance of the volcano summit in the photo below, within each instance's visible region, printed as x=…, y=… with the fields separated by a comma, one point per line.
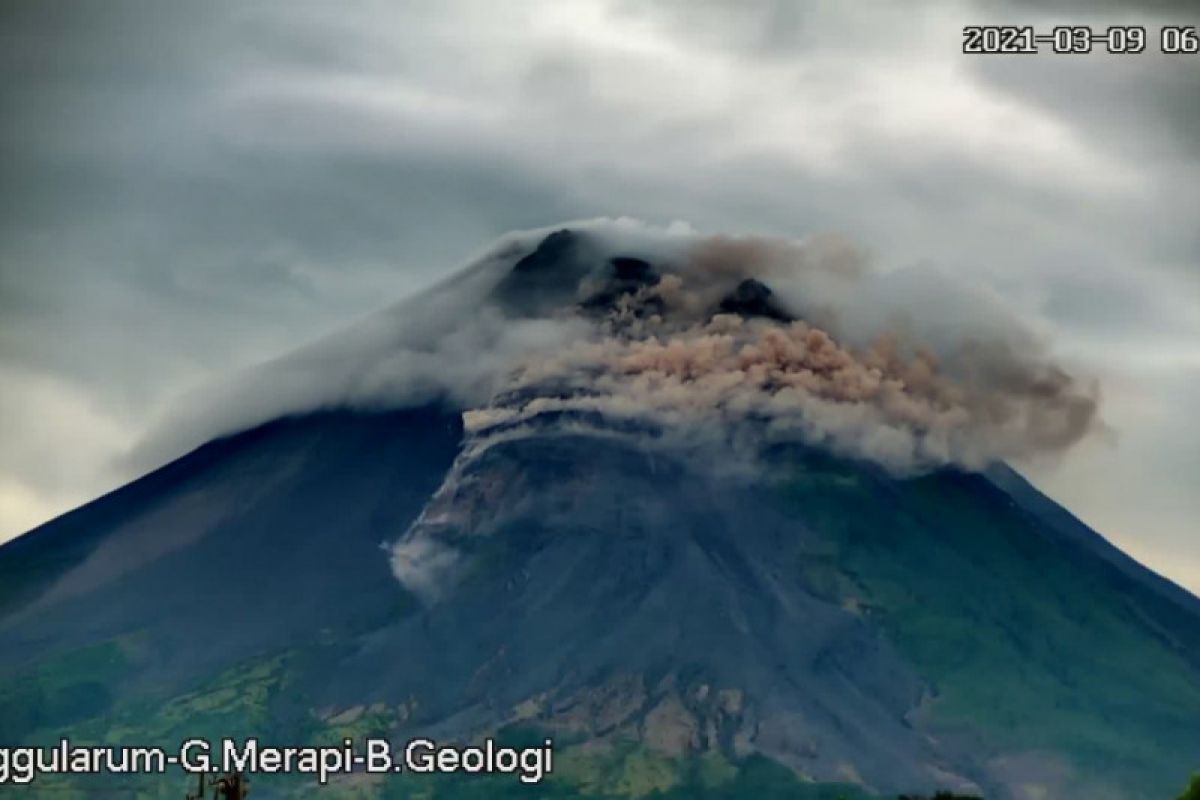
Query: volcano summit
x=723, y=517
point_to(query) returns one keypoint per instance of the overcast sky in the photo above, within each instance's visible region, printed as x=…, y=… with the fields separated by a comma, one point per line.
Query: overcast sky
x=191, y=188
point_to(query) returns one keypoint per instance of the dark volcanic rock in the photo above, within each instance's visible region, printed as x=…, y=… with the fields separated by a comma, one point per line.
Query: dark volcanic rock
x=610, y=560
x=753, y=298
x=633, y=269
x=548, y=276
x=625, y=275
x=556, y=248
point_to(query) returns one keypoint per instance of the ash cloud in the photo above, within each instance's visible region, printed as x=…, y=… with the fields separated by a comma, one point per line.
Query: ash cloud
x=712, y=339
x=797, y=383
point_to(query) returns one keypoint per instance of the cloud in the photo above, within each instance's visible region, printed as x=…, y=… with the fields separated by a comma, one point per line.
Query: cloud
x=632, y=321
x=55, y=455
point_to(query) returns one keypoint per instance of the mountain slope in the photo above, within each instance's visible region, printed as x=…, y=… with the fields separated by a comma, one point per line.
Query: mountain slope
x=246, y=545
x=634, y=502
x=855, y=628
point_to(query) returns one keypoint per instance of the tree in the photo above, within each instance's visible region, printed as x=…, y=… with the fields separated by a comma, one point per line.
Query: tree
x=1193, y=790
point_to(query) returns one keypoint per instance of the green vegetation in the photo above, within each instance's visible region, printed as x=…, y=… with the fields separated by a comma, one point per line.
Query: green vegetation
x=605, y=777
x=53, y=701
x=1065, y=663
x=56, y=699
x=244, y=700
x=66, y=688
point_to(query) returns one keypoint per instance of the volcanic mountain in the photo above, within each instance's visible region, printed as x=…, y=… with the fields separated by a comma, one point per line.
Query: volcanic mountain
x=633, y=498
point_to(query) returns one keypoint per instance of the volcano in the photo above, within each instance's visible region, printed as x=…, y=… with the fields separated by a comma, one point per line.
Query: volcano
x=687, y=603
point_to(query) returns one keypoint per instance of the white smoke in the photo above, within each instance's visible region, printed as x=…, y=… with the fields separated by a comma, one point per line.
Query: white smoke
x=909, y=368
